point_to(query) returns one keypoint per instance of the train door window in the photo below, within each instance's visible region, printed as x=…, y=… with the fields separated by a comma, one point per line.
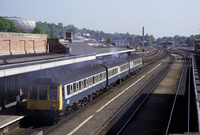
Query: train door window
x=79, y=83
x=53, y=93
x=74, y=87
x=63, y=92
x=68, y=89
x=33, y=92
x=43, y=93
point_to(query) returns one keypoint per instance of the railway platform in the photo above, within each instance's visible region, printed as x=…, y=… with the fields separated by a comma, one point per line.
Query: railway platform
x=8, y=116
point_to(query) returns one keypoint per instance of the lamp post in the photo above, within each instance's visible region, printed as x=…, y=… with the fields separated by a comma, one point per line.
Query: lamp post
x=52, y=32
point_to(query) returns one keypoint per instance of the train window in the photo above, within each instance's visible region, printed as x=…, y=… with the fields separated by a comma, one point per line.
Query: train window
x=79, y=83
x=84, y=83
x=89, y=81
x=104, y=74
x=96, y=78
x=116, y=70
x=53, y=93
x=101, y=77
x=127, y=66
x=121, y=68
x=33, y=92
x=93, y=79
x=77, y=86
x=71, y=89
x=68, y=89
x=74, y=86
x=43, y=93
x=109, y=73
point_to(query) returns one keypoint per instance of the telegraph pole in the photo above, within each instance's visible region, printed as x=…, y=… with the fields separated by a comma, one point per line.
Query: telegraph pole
x=142, y=45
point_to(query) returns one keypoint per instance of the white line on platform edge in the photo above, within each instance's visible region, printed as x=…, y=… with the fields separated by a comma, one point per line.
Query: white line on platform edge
x=80, y=125
x=120, y=94
x=153, y=68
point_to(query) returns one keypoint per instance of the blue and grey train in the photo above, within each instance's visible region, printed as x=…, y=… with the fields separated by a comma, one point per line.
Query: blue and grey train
x=60, y=94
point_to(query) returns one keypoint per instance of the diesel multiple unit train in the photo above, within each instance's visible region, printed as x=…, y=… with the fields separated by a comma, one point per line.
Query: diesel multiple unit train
x=53, y=96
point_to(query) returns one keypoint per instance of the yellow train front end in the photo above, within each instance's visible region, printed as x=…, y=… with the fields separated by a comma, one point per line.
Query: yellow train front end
x=44, y=100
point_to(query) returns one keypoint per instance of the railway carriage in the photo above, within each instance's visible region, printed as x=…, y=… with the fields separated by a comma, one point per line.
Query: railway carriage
x=53, y=94
x=135, y=62
x=116, y=70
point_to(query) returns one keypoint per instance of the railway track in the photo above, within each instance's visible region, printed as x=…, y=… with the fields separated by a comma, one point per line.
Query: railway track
x=133, y=121
x=134, y=104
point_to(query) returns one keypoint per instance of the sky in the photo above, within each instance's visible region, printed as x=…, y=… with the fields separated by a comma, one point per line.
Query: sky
x=158, y=17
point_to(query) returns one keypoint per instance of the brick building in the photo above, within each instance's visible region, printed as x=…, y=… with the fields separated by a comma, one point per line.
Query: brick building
x=22, y=43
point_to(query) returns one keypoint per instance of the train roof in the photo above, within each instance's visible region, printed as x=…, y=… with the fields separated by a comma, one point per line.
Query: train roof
x=70, y=75
x=114, y=62
x=133, y=57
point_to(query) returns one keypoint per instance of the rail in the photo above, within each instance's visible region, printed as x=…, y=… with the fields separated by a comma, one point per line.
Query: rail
x=173, y=106
x=105, y=127
x=186, y=57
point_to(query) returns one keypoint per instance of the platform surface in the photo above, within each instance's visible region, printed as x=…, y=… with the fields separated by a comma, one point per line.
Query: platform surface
x=9, y=116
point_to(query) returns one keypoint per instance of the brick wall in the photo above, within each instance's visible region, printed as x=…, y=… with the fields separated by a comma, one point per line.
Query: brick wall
x=22, y=43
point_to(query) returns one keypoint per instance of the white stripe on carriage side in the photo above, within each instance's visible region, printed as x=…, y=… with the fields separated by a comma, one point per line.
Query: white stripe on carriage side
x=80, y=125
x=120, y=94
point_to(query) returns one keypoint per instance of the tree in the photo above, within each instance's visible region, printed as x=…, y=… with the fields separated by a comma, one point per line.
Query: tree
x=13, y=27
x=149, y=41
x=109, y=41
x=37, y=30
x=8, y=25
x=189, y=41
x=24, y=31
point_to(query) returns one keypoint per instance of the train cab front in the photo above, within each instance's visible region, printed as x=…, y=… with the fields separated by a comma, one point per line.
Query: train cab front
x=44, y=100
